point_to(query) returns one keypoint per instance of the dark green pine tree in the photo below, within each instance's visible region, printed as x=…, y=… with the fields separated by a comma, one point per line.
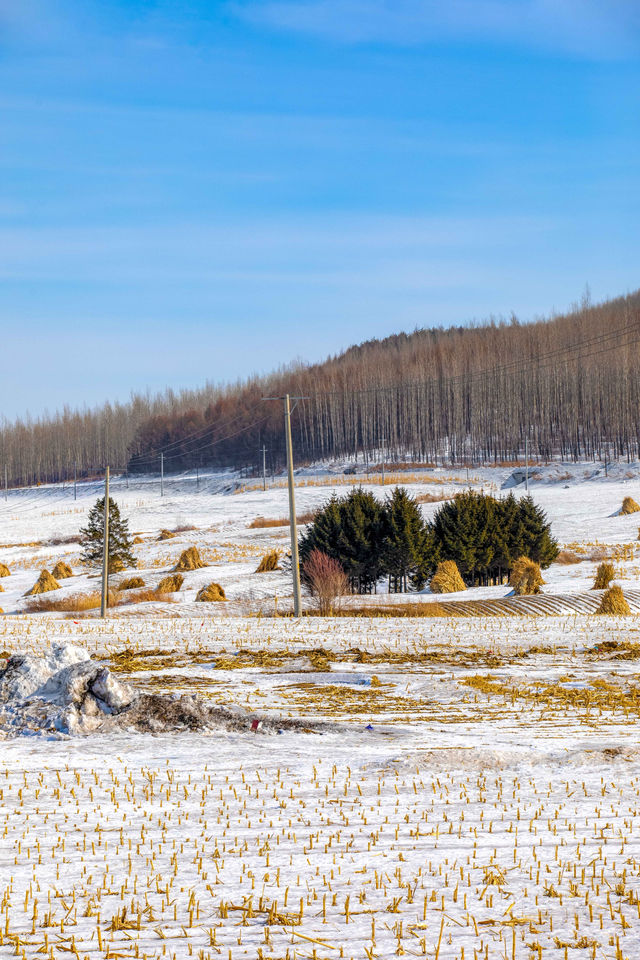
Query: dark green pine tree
x=92, y=538
x=507, y=512
x=323, y=534
x=361, y=540
x=404, y=539
x=464, y=530
x=533, y=534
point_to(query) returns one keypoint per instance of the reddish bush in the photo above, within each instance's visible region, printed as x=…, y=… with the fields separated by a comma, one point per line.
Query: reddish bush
x=327, y=580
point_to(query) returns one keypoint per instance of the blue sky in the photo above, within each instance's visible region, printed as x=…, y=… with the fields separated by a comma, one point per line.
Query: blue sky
x=198, y=190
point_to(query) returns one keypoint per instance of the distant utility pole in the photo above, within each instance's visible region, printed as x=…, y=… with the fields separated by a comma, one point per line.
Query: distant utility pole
x=295, y=560
x=75, y=480
x=197, y=480
x=383, y=440
x=162, y=474
x=104, y=601
x=6, y=483
x=526, y=464
x=264, y=467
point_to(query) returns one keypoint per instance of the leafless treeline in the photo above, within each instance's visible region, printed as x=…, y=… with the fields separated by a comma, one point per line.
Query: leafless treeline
x=468, y=394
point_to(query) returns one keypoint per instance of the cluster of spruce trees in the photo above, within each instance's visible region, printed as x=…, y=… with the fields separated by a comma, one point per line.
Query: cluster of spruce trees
x=483, y=535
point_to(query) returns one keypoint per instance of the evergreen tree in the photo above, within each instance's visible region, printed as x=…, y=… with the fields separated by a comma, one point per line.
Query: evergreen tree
x=92, y=538
x=404, y=538
x=534, y=534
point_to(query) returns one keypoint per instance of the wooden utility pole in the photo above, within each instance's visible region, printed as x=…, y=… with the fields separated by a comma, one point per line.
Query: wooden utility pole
x=264, y=467
x=295, y=560
x=197, y=480
x=384, y=440
x=75, y=480
x=526, y=464
x=104, y=602
x=6, y=483
x=162, y=474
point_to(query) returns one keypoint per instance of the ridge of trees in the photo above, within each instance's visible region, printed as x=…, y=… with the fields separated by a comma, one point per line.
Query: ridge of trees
x=484, y=536
x=570, y=385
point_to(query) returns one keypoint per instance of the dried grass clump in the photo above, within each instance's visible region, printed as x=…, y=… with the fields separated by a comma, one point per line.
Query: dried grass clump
x=1, y=588
x=72, y=603
x=212, y=593
x=604, y=575
x=133, y=583
x=613, y=603
x=526, y=577
x=4, y=570
x=1, y=611
x=170, y=584
x=261, y=523
x=62, y=571
x=447, y=578
x=166, y=535
x=147, y=596
x=137, y=540
x=567, y=557
x=629, y=505
x=189, y=560
x=270, y=561
x=43, y=584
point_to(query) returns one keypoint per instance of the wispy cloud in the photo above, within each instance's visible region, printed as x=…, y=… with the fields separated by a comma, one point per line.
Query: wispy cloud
x=591, y=28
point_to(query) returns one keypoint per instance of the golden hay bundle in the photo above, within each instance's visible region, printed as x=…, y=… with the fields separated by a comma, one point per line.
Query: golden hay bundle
x=43, y=584
x=166, y=535
x=526, y=577
x=62, y=571
x=604, y=575
x=447, y=578
x=133, y=583
x=4, y=570
x=170, y=584
x=270, y=561
x=1, y=588
x=211, y=594
x=1, y=610
x=137, y=540
x=613, y=603
x=629, y=505
x=189, y=560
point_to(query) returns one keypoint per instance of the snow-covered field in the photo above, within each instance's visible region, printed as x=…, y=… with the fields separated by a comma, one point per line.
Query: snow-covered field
x=453, y=788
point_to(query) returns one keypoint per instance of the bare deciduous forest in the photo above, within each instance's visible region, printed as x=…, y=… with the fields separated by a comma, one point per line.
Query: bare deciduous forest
x=571, y=385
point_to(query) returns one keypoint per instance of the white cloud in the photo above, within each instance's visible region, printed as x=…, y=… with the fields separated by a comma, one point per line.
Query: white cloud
x=591, y=28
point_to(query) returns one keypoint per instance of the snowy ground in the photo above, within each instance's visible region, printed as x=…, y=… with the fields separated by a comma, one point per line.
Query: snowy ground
x=458, y=788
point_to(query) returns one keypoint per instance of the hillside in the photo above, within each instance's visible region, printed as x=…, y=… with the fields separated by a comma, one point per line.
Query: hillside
x=464, y=394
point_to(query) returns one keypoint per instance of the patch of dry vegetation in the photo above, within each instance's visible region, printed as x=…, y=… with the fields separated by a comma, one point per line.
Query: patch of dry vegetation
x=447, y=578
x=264, y=523
x=170, y=584
x=61, y=571
x=604, y=575
x=189, y=560
x=132, y=583
x=614, y=603
x=567, y=557
x=212, y=593
x=43, y=584
x=166, y=535
x=629, y=505
x=270, y=562
x=4, y=570
x=526, y=577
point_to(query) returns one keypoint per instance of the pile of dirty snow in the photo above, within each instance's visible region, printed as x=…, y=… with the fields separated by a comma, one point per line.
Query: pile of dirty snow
x=68, y=693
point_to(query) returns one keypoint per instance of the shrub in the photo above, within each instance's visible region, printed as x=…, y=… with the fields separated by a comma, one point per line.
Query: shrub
x=613, y=603
x=604, y=575
x=189, y=560
x=327, y=581
x=146, y=596
x=212, y=593
x=447, y=578
x=526, y=577
x=62, y=571
x=270, y=561
x=133, y=583
x=4, y=570
x=166, y=535
x=170, y=584
x=43, y=584
x=629, y=505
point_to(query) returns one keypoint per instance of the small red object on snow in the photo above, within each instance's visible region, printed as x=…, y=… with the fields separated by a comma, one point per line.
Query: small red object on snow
x=256, y=724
